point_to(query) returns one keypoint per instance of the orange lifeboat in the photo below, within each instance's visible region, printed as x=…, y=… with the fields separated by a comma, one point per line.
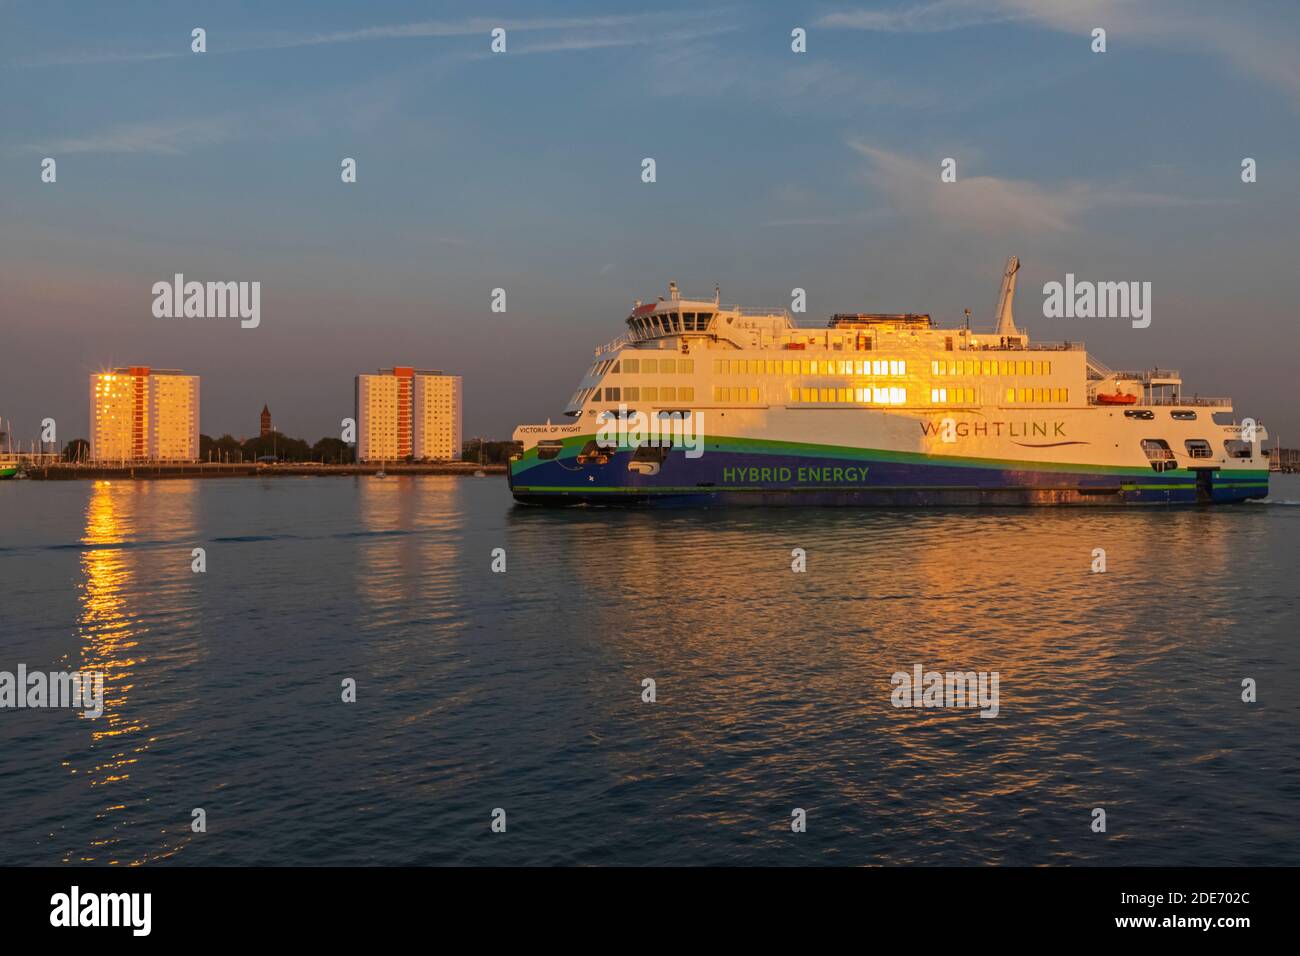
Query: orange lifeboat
x=1119, y=398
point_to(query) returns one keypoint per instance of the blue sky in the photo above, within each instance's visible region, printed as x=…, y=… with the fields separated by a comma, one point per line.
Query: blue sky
x=522, y=171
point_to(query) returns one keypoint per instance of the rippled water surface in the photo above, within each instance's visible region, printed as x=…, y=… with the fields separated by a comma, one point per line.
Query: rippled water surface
x=523, y=690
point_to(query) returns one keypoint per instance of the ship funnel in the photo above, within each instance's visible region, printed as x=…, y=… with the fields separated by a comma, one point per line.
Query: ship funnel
x=1006, y=325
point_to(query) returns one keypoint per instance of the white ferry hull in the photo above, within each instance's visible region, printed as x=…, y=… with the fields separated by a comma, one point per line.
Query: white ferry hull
x=995, y=457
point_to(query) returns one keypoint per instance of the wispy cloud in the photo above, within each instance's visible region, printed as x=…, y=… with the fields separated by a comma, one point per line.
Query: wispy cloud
x=161, y=138
x=579, y=33
x=355, y=109
x=990, y=205
x=1257, y=44
x=709, y=69
x=931, y=16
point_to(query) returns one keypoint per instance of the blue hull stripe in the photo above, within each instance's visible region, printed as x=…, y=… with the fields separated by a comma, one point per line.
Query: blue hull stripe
x=766, y=478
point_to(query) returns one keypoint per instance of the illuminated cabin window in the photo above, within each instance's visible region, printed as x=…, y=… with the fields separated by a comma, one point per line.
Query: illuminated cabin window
x=650, y=393
x=952, y=396
x=631, y=394
x=736, y=394
x=846, y=367
x=668, y=365
x=991, y=367
x=866, y=395
x=631, y=366
x=684, y=394
x=1059, y=396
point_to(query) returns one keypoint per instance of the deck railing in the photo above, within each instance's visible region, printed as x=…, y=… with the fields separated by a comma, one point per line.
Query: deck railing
x=1202, y=401
x=613, y=345
x=1146, y=375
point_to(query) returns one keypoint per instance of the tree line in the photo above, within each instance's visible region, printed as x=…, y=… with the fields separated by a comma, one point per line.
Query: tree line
x=330, y=451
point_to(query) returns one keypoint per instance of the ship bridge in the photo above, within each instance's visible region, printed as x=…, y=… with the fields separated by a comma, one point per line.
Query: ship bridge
x=680, y=315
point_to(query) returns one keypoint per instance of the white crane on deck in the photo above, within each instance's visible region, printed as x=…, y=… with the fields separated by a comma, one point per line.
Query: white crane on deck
x=1007, y=295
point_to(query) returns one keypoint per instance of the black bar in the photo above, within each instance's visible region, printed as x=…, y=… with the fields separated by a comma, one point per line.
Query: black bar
x=947, y=906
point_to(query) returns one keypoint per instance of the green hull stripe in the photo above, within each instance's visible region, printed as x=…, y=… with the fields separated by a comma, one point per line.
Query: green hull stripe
x=709, y=489
x=765, y=446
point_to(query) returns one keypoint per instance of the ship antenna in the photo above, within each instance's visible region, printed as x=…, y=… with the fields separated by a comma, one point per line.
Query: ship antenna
x=717, y=293
x=1007, y=294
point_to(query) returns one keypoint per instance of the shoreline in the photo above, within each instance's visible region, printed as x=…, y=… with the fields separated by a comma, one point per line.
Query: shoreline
x=155, y=471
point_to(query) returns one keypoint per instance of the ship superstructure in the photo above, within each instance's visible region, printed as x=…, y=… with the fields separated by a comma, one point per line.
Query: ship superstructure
x=877, y=409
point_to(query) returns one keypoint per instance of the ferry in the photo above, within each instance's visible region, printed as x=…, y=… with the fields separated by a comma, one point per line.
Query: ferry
x=700, y=403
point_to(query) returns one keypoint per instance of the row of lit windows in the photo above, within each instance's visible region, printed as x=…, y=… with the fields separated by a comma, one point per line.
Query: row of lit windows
x=648, y=393
x=739, y=393
x=809, y=367
x=889, y=395
x=1058, y=395
x=989, y=367
x=649, y=366
x=868, y=395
